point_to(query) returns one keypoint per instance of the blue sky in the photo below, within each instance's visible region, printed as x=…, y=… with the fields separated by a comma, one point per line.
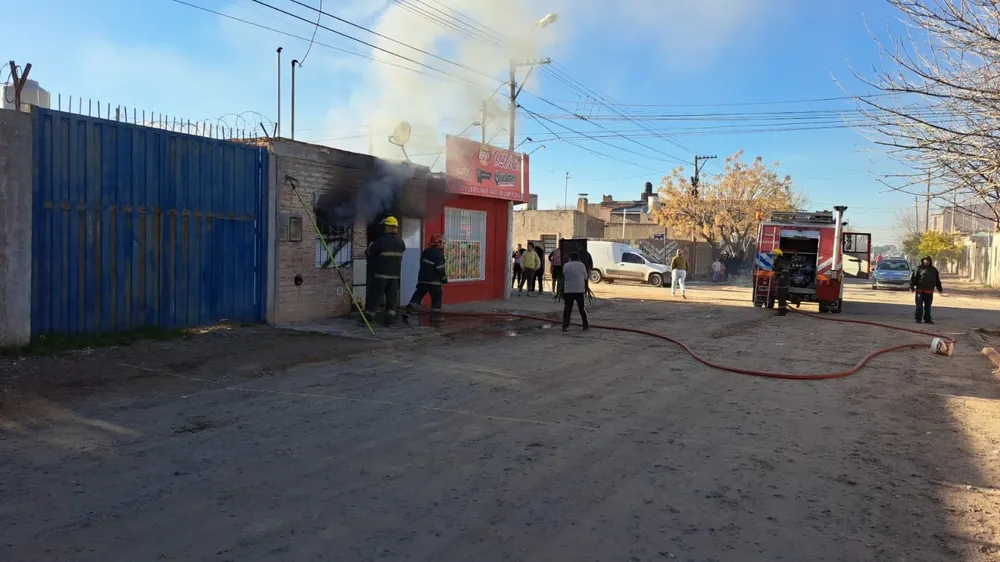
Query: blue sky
x=673, y=62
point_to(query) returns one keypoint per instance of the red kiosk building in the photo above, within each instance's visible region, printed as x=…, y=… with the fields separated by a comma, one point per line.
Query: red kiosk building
x=483, y=183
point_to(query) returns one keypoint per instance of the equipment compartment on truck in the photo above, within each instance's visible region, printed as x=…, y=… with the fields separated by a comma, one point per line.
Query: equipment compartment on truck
x=810, y=243
x=801, y=249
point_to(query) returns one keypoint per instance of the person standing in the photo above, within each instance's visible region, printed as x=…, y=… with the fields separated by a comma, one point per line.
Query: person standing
x=782, y=280
x=678, y=274
x=385, y=255
x=716, y=270
x=555, y=260
x=432, y=275
x=574, y=290
x=517, y=271
x=540, y=272
x=923, y=281
x=529, y=264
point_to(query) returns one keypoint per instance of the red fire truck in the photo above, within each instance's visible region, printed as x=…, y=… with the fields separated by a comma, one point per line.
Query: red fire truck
x=812, y=243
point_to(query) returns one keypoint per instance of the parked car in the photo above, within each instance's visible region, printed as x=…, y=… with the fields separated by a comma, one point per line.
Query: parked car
x=891, y=273
x=615, y=261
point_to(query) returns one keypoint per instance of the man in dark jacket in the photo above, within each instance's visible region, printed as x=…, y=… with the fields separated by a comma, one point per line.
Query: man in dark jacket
x=385, y=256
x=924, y=279
x=433, y=274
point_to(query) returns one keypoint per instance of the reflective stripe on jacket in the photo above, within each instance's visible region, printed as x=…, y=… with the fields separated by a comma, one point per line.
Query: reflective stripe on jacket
x=385, y=255
x=432, y=267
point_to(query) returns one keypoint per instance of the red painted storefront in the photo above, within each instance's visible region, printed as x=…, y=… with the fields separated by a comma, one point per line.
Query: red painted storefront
x=492, y=287
x=470, y=191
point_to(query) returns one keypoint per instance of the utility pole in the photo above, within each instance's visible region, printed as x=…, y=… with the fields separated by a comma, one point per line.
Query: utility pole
x=515, y=90
x=927, y=204
x=695, y=180
x=482, y=121
x=292, y=132
x=371, y=141
x=566, y=192
x=916, y=212
x=278, y=121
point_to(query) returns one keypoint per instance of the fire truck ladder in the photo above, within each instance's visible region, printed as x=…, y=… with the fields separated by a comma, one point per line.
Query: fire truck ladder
x=803, y=217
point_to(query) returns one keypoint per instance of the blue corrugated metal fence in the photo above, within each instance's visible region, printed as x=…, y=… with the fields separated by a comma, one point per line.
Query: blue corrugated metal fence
x=136, y=226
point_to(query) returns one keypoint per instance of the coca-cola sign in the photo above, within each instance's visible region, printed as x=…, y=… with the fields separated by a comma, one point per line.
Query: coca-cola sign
x=506, y=159
x=475, y=168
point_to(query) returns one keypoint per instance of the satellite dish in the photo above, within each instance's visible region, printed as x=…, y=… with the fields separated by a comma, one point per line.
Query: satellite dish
x=401, y=134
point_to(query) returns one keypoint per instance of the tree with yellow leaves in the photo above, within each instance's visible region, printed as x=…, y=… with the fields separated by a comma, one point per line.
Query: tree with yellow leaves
x=724, y=213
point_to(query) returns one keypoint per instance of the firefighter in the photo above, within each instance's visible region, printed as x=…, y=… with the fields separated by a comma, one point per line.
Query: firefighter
x=431, y=277
x=782, y=281
x=385, y=256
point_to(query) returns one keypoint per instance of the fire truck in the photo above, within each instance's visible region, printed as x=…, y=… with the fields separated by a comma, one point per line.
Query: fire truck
x=812, y=243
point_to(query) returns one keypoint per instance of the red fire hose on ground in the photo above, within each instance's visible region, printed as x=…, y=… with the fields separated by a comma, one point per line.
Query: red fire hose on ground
x=751, y=372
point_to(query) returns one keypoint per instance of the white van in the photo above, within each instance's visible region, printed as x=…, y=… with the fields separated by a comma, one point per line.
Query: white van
x=615, y=261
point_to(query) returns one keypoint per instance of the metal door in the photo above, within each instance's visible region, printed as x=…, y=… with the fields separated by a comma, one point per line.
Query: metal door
x=411, y=230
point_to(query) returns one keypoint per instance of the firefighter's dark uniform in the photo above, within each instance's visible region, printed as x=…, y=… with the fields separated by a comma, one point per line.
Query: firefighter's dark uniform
x=431, y=276
x=385, y=256
x=782, y=283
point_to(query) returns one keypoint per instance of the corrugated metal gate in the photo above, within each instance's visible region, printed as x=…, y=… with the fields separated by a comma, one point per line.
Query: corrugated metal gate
x=136, y=226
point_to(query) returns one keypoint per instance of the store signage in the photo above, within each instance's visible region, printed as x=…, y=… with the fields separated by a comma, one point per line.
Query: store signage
x=474, y=168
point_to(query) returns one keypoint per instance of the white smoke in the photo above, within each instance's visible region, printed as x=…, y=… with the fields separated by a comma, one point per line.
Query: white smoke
x=669, y=30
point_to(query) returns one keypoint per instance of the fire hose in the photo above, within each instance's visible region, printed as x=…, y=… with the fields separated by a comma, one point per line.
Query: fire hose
x=739, y=370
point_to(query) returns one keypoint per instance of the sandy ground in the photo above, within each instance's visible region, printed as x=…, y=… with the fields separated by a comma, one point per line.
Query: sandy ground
x=588, y=446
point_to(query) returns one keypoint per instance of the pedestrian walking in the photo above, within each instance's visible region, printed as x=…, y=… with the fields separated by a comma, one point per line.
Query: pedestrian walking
x=574, y=290
x=385, y=255
x=678, y=274
x=529, y=264
x=430, y=278
x=716, y=270
x=923, y=281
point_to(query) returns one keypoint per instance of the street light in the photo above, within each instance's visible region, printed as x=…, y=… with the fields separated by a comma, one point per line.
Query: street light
x=536, y=149
x=526, y=139
x=548, y=20
x=465, y=130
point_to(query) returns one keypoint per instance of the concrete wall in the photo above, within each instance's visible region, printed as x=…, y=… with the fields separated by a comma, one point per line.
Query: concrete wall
x=318, y=169
x=531, y=225
x=632, y=231
x=16, y=185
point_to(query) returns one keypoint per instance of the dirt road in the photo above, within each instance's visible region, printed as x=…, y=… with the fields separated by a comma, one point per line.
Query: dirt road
x=542, y=446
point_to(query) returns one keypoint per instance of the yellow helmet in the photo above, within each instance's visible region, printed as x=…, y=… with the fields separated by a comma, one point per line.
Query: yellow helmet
x=390, y=221
x=777, y=252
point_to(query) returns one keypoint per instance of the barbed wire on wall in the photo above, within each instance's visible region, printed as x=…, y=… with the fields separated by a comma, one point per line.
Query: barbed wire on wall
x=247, y=124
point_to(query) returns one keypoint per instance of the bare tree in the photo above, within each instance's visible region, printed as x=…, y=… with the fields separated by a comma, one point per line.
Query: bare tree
x=937, y=102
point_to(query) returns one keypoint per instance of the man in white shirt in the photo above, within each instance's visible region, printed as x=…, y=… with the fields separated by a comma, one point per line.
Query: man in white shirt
x=574, y=290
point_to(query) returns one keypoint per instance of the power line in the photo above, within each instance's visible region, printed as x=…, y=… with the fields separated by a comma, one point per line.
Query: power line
x=315, y=31
x=535, y=116
x=382, y=36
x=366, y=43
x=469, y=27
x=749, y=103
x=328, y=46
x=630, y=139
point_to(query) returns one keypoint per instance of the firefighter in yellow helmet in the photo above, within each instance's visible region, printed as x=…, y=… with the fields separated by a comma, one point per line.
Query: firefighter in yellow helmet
x=782, y=280
x=385, y=255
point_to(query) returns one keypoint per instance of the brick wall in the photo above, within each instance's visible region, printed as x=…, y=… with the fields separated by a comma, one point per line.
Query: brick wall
x=318, y=169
